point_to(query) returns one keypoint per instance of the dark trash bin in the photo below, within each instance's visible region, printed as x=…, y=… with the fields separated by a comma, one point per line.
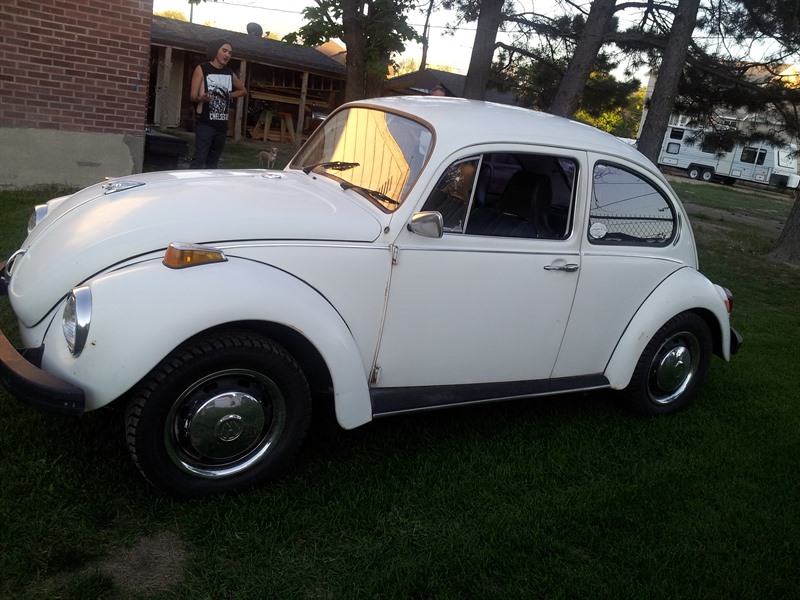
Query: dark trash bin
x=162, y=150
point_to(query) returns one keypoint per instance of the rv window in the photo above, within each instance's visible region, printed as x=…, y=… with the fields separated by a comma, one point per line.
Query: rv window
x=786, y=158
x=676, y=134
x=716, y=143
x=753, y=155
x=673, y=148
x=708, y=146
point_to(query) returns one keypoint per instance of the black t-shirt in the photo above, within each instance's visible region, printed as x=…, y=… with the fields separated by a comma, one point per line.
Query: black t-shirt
x=218, y=83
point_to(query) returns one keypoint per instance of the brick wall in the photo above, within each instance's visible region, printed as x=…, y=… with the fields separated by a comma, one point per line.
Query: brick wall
x=78, y=66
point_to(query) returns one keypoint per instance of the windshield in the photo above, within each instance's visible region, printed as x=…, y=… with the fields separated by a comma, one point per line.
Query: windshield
x=373, y=152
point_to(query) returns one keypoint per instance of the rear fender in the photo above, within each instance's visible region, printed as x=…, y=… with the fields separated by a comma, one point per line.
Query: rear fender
x=143, y=312
x=684, y=290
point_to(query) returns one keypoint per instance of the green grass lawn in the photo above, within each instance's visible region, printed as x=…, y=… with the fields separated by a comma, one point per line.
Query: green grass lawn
x=565, y=497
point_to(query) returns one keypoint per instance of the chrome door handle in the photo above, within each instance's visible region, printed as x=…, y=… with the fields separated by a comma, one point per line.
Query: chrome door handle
x=569, y=268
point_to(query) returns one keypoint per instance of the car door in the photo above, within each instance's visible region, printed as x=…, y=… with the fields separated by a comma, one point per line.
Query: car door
x=488, y=301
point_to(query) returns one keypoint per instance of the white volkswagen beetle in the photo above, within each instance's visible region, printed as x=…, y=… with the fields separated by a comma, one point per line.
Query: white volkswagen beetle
x=416, y=253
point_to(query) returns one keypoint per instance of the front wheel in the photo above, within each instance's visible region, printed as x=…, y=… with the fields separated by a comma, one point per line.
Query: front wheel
x=222, y=413
x=693, y=172
x=671, y=367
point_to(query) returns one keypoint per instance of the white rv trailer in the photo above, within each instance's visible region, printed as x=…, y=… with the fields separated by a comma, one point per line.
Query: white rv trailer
x=702, y=158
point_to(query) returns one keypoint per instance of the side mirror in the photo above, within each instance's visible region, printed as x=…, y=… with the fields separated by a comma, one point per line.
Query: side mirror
x=427, y=224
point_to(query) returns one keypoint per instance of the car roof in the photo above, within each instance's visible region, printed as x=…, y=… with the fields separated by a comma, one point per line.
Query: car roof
x=459, y=122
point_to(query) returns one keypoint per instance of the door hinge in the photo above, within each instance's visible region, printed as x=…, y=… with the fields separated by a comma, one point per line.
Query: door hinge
x=395, y=252
x=375, y=375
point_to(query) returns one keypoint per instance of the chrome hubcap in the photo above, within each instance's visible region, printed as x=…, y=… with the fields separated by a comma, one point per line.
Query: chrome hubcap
x=224, y=423
x=673, y=367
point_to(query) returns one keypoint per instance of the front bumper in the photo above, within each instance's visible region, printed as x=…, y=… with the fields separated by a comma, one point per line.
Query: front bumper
x=27, y=382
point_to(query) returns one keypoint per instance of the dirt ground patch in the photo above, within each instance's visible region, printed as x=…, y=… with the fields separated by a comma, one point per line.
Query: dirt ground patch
x=723, y=220
x=720, y=220
x=152, y=565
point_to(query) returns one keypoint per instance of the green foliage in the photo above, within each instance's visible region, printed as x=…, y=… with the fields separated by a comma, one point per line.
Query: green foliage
x=607, y=103
x=621, y=121
x=385, y=27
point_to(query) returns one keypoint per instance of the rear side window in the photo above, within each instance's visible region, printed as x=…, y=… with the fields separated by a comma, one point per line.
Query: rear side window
x=627, y=209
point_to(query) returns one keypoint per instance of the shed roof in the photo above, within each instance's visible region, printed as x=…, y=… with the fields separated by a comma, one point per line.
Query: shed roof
x=194, y=37
x=422, y=82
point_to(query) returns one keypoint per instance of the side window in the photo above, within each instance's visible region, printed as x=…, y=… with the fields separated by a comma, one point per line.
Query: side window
x=673, y=148
x=627, y=209
x=524, y=196
x=507, y=195
x=676, y=134
x=452, y=193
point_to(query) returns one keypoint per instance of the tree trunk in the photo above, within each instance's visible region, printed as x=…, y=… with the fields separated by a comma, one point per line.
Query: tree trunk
x=580, y=66
x=480, y=63
x=669, y=74
x=354, y=38
x=426, y=35
x=787, y=248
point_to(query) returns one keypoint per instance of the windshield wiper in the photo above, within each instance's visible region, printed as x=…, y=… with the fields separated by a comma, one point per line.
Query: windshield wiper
x=379, y=196
x=336, y=165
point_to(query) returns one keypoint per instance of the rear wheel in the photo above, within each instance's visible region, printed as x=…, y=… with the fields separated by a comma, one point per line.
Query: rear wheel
x=707, y=175
x=672, y=366
x=222, y=413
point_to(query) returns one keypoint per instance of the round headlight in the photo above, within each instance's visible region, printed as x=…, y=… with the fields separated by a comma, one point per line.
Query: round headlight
x=76, y=319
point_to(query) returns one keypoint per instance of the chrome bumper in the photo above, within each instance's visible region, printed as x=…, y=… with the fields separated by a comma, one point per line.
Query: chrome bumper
x=24, y=380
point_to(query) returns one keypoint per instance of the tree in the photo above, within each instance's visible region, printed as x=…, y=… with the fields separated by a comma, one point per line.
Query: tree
x=669, y=75
x=583, y=60
x=372, y=31
x=172, y=14
x=480, y=63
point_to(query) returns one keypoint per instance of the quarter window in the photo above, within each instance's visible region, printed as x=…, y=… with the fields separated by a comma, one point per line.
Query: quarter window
x=628, y=209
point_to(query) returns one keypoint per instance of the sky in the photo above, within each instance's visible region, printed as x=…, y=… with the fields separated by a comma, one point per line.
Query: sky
x=284, y=16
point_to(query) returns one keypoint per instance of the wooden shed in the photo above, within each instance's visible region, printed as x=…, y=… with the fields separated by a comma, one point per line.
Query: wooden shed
x=290, y=87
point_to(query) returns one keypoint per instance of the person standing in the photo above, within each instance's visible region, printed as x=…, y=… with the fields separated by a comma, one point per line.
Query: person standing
x=214, y=85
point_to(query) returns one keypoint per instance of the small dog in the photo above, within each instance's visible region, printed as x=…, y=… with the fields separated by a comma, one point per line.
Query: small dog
x=267, y=158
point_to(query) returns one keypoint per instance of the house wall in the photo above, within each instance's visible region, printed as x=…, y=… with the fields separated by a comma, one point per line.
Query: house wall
x=73, y=82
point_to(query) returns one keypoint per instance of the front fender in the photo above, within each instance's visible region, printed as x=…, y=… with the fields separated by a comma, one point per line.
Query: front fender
x=143, y=312
x=684, y=290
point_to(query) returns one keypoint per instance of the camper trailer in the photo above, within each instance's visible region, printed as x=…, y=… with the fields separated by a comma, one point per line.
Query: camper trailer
x=709, y=156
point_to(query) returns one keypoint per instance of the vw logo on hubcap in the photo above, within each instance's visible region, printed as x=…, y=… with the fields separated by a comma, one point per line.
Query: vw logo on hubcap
x=229, y=428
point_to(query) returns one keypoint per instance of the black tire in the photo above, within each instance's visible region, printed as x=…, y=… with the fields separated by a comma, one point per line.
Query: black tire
x=222, y=413
x=671, y=367
x=707, y=175
x=693, y=172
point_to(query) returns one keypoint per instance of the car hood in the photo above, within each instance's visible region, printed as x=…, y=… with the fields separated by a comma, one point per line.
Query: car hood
x=93, y=229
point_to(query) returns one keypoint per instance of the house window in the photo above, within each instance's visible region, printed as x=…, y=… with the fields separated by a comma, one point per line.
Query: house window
x=627, y=209
x=673, y=148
